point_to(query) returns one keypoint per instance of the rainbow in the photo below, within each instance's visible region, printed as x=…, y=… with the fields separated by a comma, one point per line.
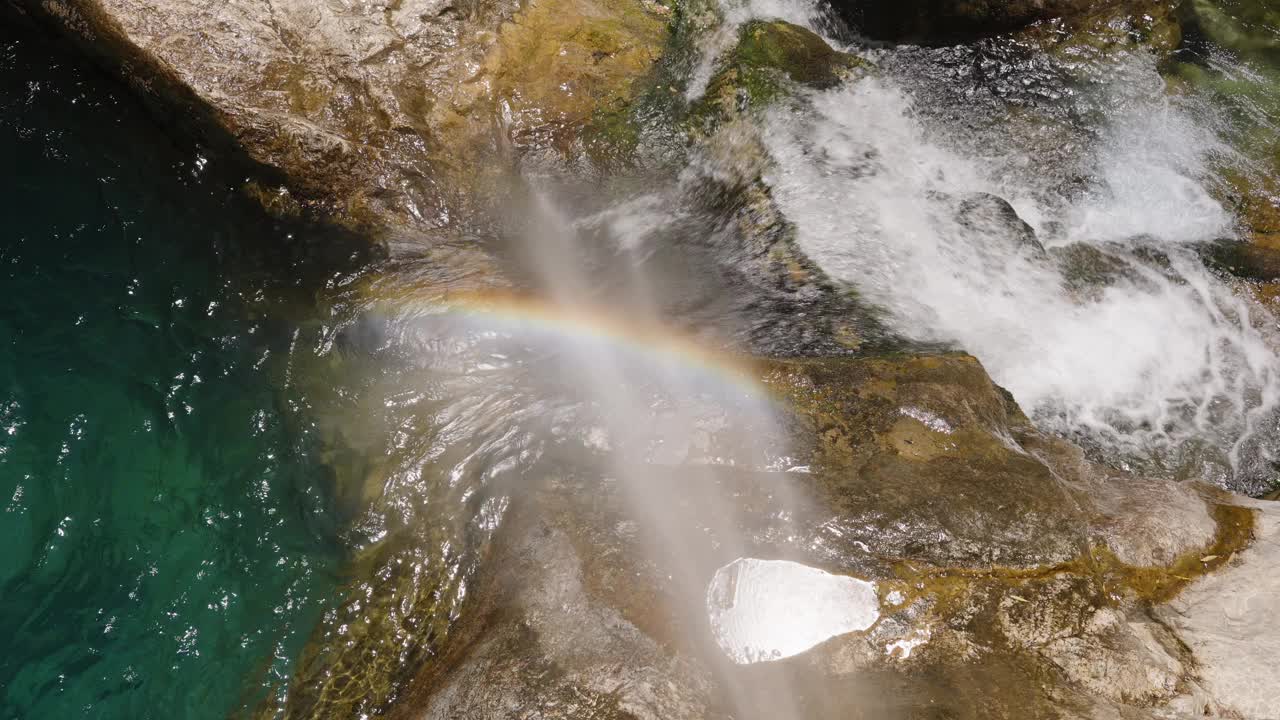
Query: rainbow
x=653, y=344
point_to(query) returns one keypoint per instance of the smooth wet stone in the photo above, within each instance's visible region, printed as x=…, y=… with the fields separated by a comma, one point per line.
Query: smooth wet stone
x=563, y=624
x=1150, y=523
x=764, y=610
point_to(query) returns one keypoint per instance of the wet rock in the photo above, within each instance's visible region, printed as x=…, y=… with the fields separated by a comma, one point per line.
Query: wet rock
x=1149, y=523
x=569, y=620
x=994, y=217
x=592, y=599
x=1255, y=198
x=1089, y=269
x=551, y=651
x=892, y=437
x=373, y=114
x=1101, y=30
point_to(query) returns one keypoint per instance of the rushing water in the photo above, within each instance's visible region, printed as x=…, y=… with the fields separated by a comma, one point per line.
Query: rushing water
x=1107, y=326
x=1163, y=354
x=168, y=538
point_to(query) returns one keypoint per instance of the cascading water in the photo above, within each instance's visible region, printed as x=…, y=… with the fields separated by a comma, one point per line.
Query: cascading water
x=1105, y=325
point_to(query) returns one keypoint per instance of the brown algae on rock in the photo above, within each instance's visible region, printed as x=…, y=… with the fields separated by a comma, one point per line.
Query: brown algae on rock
x=1151, y=584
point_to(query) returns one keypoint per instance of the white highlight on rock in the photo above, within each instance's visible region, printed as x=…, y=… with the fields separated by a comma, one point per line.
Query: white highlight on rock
x=928, y=419
x=765, y=610
x=902, y=648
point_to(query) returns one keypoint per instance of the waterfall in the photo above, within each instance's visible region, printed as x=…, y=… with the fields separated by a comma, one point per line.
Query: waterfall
x=1105, y=325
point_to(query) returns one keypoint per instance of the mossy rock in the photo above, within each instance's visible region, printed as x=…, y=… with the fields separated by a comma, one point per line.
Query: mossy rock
x=1255, y=198
x=770, y=58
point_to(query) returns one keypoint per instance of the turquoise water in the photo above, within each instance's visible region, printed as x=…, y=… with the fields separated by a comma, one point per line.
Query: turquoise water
x=168, y=539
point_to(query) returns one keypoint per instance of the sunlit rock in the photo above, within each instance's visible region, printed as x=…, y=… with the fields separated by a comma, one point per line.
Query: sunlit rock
x=1228, y=621
x=916, y=457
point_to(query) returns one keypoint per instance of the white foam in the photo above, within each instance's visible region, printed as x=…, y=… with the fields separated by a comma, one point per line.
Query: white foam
x=763, y=610
x=1146, y=362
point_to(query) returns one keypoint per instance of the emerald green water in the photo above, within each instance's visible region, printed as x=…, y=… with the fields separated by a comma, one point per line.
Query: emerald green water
x=167, y=540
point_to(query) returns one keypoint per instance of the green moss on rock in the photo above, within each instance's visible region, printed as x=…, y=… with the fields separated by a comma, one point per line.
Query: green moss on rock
x=770, y=58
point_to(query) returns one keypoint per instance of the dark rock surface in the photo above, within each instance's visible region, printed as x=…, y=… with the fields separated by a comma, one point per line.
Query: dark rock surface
x=948, y=22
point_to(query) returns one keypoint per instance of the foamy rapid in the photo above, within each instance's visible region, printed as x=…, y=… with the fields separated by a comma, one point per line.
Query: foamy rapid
x=1153, y=352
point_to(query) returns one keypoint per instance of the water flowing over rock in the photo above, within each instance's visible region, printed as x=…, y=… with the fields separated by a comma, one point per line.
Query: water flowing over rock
x=679, y=303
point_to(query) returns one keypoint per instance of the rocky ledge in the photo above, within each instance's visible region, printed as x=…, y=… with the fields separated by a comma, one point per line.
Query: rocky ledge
x=375, y=114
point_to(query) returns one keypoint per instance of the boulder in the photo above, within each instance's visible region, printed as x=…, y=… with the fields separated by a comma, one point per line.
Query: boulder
x=913, y=455
x=770, y=56
x=378, y=115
